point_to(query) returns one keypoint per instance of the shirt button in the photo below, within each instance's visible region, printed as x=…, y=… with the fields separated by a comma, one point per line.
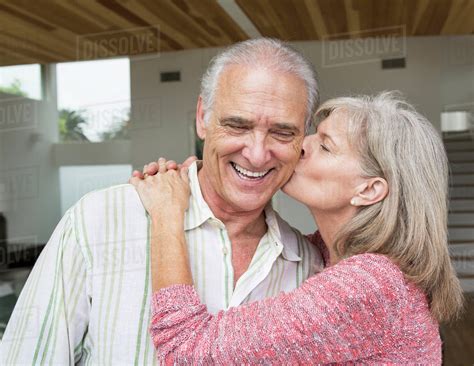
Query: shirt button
x=224, y=251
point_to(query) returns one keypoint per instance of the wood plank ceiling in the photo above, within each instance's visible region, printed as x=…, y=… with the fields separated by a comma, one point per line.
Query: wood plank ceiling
x=308, y=19
x=42, y=31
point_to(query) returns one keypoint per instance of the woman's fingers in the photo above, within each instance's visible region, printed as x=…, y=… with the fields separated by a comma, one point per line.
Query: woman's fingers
x=152, y=168
x=171, y=165
x=188, y=162
x=162, y=165
x=135, y=179
x=137, y=173
x=157, y=166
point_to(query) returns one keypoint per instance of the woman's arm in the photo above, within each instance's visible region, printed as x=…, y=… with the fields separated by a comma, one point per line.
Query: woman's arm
x=165, y=196
x=347, y=312
x=169, y=255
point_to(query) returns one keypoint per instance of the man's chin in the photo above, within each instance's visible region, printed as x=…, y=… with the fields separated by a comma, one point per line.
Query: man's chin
x=250, y=202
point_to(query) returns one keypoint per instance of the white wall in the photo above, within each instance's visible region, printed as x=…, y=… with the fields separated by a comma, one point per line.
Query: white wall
x=457, y=76
x=431, y=80
x=28, y=128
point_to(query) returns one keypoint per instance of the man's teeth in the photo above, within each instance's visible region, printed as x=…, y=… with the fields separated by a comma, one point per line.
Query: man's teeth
x=248, y=173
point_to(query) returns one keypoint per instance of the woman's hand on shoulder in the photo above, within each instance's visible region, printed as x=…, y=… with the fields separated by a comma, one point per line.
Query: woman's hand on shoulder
x=165, y=192
x=153, y=167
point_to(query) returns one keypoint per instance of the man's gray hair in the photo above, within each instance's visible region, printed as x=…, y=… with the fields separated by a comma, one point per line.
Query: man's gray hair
x=267, y=52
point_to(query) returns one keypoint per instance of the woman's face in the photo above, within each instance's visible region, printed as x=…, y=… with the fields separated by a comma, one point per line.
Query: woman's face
x=328, y=174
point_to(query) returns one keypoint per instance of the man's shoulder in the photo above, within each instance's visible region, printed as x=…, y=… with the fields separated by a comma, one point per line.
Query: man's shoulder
x=113, y=197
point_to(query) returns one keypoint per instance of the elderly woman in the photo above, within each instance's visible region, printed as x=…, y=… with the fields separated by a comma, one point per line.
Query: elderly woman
x=375, y=178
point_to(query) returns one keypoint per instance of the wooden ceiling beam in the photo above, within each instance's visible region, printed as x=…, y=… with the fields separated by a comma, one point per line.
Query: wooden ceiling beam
x=215, y=21
x=11, y=58
x=177, y=14
x=460, y=18
x=420, y=10
x=87, y=9
x=13, y=40
x=119, y=8
x=319, y=24
x=39, y=33
x=29, y=53
x=335, y=13
x=60, y=17
x=80, y=29
x=119, y=21
x=152, y=18
x=433, y=18
x=263, y=17
x=308, y=31
x=19, y=54
x=352, y=18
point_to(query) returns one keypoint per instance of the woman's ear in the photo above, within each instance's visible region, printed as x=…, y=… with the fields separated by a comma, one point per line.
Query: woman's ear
x=371, y=191
x=200, y=123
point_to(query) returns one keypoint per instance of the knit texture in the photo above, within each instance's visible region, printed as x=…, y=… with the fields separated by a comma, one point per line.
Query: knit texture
x=361, y=310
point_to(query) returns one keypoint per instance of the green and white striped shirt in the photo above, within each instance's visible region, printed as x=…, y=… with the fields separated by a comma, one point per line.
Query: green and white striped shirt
x=87, y=300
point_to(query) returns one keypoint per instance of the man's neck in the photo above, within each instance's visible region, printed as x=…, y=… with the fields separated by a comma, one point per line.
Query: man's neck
x=237, y=221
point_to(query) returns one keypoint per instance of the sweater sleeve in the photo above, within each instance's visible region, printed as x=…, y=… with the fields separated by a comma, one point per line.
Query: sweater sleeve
x=347, y=312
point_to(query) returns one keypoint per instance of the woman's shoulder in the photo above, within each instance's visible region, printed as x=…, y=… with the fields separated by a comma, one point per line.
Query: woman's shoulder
x=368, y=275
x=377, y=266
x=377, y=263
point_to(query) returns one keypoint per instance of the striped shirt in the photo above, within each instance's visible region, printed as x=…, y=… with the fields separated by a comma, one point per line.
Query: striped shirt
x=87, y=300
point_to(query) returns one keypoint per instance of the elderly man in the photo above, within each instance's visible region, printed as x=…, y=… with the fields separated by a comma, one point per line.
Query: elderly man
x=87, y=298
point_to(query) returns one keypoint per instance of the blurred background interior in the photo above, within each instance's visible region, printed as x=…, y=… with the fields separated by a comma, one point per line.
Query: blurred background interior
x=90, y=90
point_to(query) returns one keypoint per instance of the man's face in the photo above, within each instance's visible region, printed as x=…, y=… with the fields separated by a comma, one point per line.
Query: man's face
x=254, y=136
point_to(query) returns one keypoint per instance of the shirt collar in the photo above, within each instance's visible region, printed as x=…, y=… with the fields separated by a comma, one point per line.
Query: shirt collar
x=198, y=211
x=282, y=234
x=278, y=232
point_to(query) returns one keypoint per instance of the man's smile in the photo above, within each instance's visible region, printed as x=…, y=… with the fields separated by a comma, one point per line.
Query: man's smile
x=250, y=175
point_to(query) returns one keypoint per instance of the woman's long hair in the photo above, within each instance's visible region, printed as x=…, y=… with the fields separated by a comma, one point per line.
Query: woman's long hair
x=410, y=225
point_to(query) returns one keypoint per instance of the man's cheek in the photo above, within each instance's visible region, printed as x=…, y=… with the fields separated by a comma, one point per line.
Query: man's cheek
x=296, y=152
x=297, y=145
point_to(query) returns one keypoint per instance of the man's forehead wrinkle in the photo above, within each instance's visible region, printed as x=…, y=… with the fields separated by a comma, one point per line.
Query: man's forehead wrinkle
x=263, y=94
x=266, y=85
x=252, y=119
x=251, y=105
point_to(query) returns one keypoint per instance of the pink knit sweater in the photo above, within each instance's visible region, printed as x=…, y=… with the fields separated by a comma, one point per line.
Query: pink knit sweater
x=360, y=310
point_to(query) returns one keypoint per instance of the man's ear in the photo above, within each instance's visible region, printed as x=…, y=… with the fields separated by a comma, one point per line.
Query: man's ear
x=371, y=191
x=200, y=123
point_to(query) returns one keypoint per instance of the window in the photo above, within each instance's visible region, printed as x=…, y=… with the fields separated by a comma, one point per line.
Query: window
x=21, y=80
x=94, y=100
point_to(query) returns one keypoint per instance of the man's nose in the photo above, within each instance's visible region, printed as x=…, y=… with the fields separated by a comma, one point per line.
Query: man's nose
x=257, y=151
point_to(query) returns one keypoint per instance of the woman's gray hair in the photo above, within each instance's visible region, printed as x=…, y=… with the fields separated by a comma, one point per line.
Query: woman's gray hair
x=267, y=52
x=397, y=143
